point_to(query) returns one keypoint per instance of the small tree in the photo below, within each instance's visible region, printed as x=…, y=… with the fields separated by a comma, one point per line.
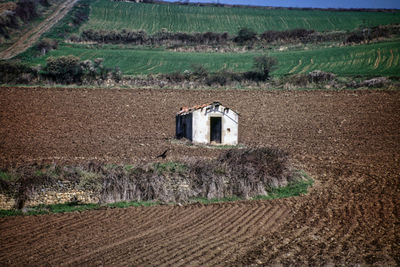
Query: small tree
x=64, y=69
x=265, y=65
x=199, y=71
x=46, y=45
x=245, y=35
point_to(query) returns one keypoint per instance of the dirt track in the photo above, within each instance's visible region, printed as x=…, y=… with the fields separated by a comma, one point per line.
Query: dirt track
x=30, y=37
x=348, y=141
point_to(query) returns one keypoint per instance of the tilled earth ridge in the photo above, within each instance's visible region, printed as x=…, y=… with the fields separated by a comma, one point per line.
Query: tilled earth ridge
x=348, y=141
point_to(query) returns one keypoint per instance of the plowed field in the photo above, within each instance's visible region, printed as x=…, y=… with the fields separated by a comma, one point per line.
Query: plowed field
x=348, y=141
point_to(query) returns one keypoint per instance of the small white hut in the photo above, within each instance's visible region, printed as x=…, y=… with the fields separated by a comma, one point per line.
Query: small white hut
x=208, y=124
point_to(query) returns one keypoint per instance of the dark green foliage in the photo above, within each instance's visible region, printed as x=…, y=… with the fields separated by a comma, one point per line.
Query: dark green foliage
x=140, y=37
x=64, y=69
x=45, y=3
x=175, y=77
x=14, y=72
x=70, y=69
x=265, y=64
x=355, y=38
x=368, y=34
x=245, y=35
x=116, y=74
x=46, y=45
x=8, y=21
x=199, y=71
x=26, y=9
x=223, y=77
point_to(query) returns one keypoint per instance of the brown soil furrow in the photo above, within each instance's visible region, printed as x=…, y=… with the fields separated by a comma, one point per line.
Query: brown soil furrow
x=50, y=233
x=225, y=243
x=138, y=236
x=236, y=228
x=110, y=234
x=173, y=241
x=172, y=237
x=67, y=223
x=183, y=235
x=175, y=254
x=226, y=253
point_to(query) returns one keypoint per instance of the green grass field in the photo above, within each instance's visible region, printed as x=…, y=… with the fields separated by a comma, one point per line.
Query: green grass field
x=110, y=15
x=380, y=59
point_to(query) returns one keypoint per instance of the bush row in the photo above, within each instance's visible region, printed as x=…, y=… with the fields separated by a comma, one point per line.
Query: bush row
x=263, y=65
x=63, y=70
x=142, y=38
x=245, y=36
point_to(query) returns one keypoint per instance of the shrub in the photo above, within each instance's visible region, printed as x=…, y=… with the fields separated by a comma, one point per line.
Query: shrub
x=90, y=181
x=265, y=64
x=199, y=71
x=116, y=74
x=44, y=3
x=70, y=69
x=317, y=76
x=221, y=77
x=46, y=45
x=355, y=38
x=64, y=69
x=8, y=20
x=245, y=35
x=16, y=72
x=299, y=79
x=26, y=9
x=374, y=82
x=254, y=76
x=252, y=171
x=175, y=77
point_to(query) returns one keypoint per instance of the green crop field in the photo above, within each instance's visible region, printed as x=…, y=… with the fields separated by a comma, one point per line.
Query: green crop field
x=380, y=59
x=110, y=15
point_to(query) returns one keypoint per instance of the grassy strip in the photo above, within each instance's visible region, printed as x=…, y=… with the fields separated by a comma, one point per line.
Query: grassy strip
x=204, y=200
x=291, y=190
x=71, y=207
x=366, y=60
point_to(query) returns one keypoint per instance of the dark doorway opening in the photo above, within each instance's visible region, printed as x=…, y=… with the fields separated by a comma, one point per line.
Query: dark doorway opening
x=216, y=129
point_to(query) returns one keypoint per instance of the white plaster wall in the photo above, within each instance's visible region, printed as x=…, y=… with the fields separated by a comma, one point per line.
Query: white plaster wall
x=201, y=130
x=230, y=128
x=201, y=125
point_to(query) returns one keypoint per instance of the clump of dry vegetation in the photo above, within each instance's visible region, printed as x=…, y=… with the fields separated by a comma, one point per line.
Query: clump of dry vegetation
x=243, y=173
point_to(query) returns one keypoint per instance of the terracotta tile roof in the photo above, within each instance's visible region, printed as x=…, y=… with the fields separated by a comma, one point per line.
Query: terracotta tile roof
x=196, y=107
